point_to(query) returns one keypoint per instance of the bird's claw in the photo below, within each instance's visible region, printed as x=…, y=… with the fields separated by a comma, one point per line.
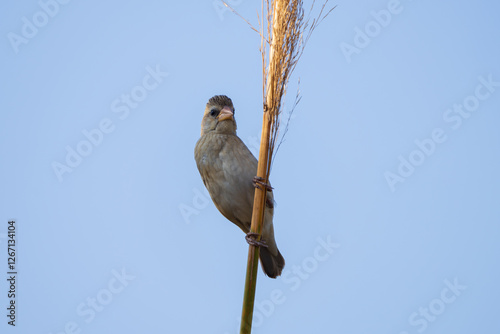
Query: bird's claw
x=251, y=239
x=259, y=181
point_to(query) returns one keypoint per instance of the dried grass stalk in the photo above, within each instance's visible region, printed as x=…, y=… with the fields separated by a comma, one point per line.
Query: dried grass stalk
x=281, y=47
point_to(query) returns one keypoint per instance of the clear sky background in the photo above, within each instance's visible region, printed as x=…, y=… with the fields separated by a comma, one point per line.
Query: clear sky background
x=387, y=185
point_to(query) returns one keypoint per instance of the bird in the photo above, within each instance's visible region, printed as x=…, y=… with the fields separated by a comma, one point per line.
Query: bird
x=228, y=170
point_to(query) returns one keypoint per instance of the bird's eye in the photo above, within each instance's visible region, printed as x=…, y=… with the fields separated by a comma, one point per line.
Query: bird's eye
x=214, y=112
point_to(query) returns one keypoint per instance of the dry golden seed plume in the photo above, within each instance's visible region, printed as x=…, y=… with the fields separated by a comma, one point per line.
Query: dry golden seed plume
x=282, y=45
x=281, y=50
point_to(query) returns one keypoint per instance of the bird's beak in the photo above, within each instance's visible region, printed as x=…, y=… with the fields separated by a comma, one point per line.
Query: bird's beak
x=225, y=113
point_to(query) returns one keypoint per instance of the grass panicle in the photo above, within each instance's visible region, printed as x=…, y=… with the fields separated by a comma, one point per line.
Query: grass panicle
x=282, y=43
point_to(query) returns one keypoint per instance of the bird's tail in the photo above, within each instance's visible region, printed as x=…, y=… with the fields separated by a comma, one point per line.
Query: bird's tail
x=272, y=265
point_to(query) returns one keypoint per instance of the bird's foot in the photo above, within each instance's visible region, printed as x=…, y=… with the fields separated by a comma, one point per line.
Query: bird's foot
x=259, y=181
x=251, y=239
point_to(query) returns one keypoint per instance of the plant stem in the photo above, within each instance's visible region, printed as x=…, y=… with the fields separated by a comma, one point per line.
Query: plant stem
x=257, y=222
x=260, y=193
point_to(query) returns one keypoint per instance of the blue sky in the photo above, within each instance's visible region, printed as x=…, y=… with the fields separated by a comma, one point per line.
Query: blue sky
x=386, y=185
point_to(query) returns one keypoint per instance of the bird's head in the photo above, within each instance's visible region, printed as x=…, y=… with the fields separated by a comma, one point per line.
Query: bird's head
x=219, y=116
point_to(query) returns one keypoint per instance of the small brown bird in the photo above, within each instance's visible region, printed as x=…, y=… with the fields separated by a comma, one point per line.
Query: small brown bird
x=228, y=170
